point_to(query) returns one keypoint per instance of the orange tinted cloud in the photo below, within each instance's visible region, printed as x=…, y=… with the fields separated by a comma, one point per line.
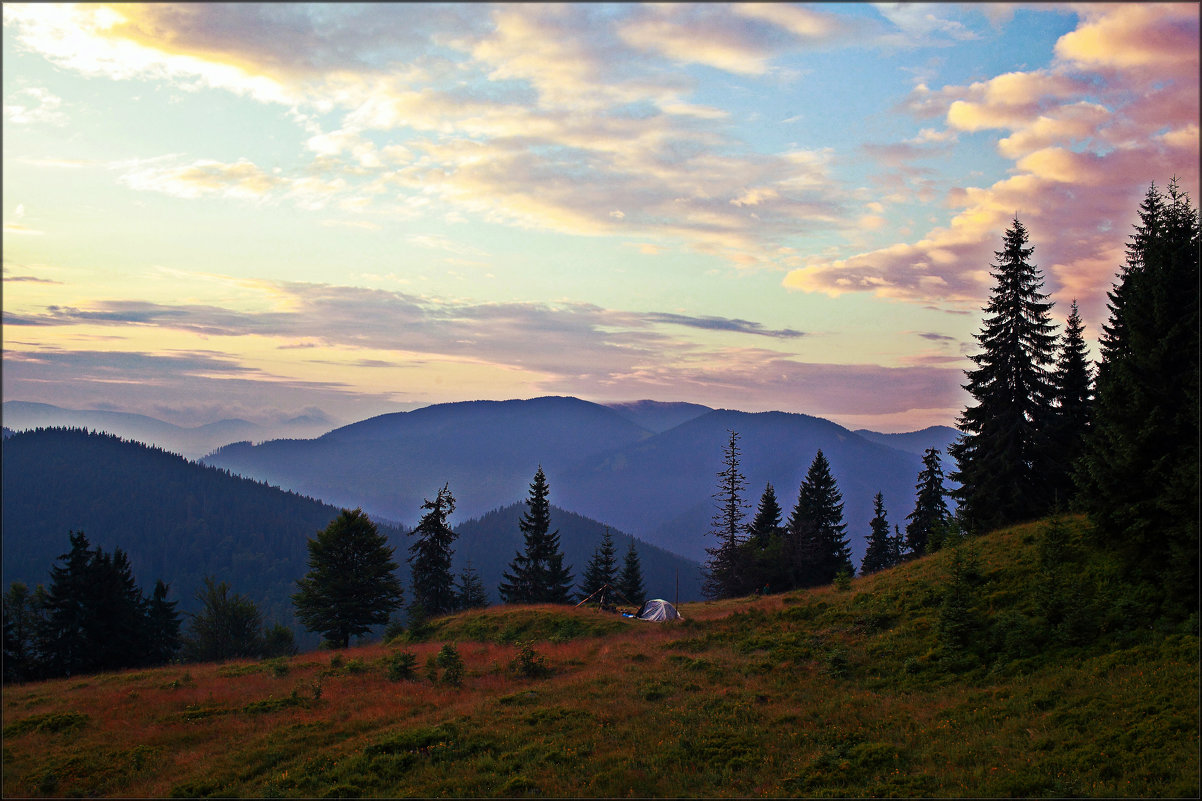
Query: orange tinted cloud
x=1135, y=35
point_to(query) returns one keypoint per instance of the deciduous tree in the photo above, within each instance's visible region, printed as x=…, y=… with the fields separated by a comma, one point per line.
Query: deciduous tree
x=226, y=627
x=351, y=584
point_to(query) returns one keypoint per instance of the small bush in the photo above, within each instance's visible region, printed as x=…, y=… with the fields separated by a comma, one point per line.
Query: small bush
x=402, y=667
x=529, y=663
x=452, y=665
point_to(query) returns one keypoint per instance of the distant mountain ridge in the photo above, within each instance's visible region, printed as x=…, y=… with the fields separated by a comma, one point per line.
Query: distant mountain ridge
x=915, y=441
x=191, y=442
x=600, y=462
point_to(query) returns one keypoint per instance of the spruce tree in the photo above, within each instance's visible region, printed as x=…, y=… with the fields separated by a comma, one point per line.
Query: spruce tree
x=817, y=530
x=879, y=555
x=1138, y=478
x=469, y=589
x=351, y=584
x=66, y=619
x=930, y=513
x=766, y=522
x=163, y=626
x=537, y=575
x=723, y=577
x=1003, y=452
x=1073, y=410
x=117, y=629
x=430, y=559
x=630, y=581
x=602, y=569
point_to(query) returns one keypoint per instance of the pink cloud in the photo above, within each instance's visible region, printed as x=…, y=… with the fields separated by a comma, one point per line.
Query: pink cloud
x=1086, y=137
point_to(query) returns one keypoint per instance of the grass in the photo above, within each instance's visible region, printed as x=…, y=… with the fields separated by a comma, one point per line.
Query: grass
x=818, y=693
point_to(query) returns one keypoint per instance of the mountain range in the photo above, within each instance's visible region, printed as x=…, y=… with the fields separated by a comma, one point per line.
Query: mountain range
x=645, y=468
x=191, y=442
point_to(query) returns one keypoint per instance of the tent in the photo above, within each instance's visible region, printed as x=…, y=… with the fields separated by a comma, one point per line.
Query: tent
x=657, y=610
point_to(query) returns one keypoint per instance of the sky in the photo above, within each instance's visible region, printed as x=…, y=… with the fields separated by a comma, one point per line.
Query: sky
x=262, y=211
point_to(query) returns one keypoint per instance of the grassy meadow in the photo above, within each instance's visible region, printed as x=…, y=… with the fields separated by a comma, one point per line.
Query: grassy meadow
x=1048, y=684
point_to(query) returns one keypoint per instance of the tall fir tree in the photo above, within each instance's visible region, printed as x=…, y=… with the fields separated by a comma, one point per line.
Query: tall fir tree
x=722, y=573
x=930, y=513
x=766, y=522
x=537, y=575
x=430, y=557
x=163, y=626
x=880, y=553
x=1003, y=452
x=351, y=584
x=816, y=529
x=117, y=611
x=1138, y=477
x=602, y=569
x=630, y=580
x=66, y=621
x=1073, y=408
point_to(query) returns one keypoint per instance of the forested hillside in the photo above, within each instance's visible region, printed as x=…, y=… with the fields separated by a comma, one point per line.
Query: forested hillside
x=180, y=521
x=177, y=520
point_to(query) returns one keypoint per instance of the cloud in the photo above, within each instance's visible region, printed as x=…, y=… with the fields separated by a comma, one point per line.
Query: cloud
x=573, y=348
x=1085, y=137
x=723, y=324
x=540, y=116
x=241, y=179
x=32, y=106
x=1135, y=36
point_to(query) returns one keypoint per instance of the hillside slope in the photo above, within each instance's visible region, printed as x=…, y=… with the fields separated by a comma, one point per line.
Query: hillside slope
x=818, y=693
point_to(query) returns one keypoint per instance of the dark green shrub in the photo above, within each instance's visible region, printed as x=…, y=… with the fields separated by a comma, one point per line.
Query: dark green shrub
x=452, y=665
x=402, y=667
x=529, y=663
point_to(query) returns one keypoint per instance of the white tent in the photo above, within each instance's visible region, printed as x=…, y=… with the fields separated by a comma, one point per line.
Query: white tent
x=658, y=610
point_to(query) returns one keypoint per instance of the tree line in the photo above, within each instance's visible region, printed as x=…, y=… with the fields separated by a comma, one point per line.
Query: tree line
x=810, y=548
x=1046, y=431
x=94, y=617
x=1120, y=443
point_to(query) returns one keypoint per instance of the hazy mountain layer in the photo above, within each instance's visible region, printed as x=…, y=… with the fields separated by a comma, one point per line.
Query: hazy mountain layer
x=657, y=486
x=191, y=442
